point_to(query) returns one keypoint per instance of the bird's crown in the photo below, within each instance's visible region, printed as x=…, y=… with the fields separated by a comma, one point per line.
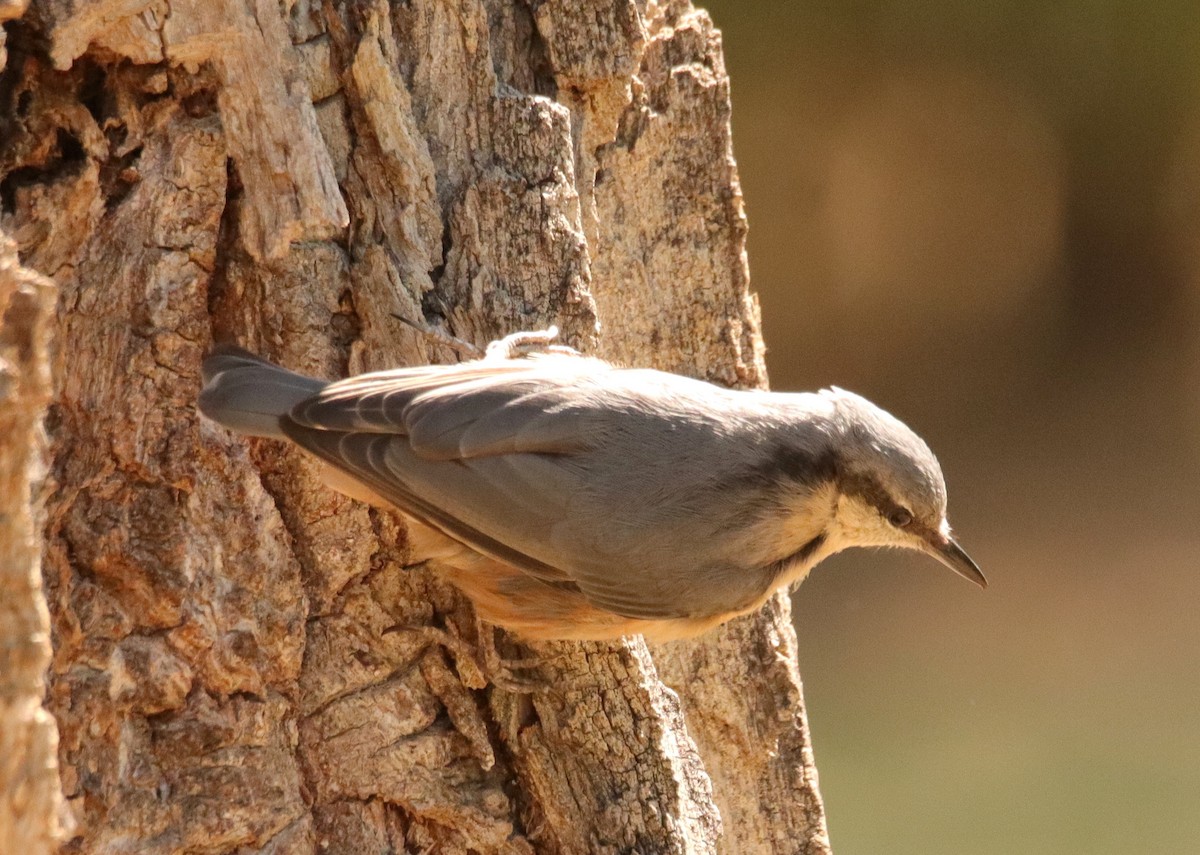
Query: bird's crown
x=881, y=450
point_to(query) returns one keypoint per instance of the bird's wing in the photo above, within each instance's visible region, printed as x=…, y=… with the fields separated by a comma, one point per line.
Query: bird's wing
x=502, y=457
x=458, y=411
x=370, y=458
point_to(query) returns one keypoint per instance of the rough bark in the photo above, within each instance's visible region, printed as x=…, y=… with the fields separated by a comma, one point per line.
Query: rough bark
x=246, y=661
x=31, y=815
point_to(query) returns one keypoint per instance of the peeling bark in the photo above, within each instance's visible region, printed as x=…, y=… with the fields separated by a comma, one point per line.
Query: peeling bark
x=243, y=660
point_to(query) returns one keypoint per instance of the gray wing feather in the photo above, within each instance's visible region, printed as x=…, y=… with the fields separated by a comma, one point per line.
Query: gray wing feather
x=523, y=460
x=517, y=417
x=381, y=462
x=453, y=412
x=248, y=394
x=376, y=402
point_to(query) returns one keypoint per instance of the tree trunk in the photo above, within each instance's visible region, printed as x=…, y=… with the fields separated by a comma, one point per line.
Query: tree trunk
x=242, y=659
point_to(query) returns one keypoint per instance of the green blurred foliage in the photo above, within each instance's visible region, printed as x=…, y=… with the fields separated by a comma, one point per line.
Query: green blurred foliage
x=986, y=218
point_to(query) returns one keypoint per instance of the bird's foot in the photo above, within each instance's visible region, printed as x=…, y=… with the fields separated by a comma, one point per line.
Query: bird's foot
x=520, y=344
x=482, y=665
x=503, y=672
x=512, y=346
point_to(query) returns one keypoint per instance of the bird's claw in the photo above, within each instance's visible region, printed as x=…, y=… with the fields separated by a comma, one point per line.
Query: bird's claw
x=479, y=667
x=523, y=343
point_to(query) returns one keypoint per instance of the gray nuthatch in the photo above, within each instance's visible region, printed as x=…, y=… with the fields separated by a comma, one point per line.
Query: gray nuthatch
x=569, y=498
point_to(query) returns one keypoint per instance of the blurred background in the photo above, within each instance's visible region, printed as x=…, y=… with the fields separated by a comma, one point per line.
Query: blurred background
x=986, y=218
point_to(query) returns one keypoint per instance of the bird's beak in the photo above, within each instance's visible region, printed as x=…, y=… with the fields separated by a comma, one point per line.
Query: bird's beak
x=946, y=550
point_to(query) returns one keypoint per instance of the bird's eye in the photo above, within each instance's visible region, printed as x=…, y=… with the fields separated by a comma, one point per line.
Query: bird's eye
x=900, y=518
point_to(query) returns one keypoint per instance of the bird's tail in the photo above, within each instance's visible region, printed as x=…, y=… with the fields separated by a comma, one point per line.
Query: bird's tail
x=247, y=394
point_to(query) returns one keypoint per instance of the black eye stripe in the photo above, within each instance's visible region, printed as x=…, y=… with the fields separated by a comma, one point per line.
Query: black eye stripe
x=873, y=493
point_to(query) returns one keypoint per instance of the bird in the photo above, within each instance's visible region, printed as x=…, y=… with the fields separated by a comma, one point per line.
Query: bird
x=573, y=499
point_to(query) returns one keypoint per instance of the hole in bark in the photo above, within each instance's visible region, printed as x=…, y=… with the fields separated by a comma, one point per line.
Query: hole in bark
x=200, y=104
x=435, y=275
x=220, y=298
x=8, y=190
x=70, y=149
x=118, y=177
x=432, y=306
x=23, y=40
x=27, y=176
x=92, y=93
x=345, y=324
x=539, y=62
x=116, y=133
x=53, y=420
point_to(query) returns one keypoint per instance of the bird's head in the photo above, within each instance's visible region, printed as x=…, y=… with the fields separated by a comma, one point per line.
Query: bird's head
x=890, y=489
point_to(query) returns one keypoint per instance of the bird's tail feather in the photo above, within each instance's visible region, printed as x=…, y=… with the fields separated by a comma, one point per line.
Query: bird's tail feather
x=247, y=394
